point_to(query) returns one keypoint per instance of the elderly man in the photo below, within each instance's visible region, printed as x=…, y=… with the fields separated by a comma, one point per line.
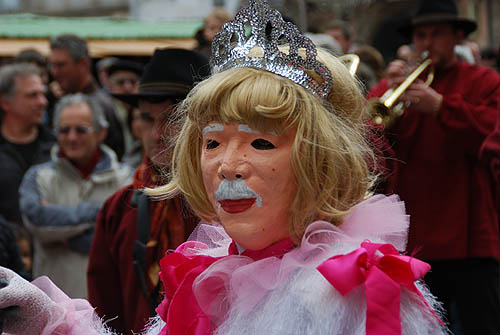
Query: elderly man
x=446, y=187
x=70, y=66
x=133, y=232
x=23, y=141
x=61, y=198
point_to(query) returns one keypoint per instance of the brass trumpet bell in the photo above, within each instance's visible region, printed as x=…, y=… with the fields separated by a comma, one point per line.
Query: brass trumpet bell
x=351, y=61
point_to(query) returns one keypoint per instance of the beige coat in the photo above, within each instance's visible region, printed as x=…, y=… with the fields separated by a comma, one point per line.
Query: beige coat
x=60, y=209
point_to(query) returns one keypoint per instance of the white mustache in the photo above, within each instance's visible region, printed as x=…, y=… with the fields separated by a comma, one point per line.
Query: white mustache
x=236, y=190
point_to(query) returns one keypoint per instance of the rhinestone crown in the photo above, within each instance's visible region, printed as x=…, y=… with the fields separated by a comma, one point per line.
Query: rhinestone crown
x=258, y=14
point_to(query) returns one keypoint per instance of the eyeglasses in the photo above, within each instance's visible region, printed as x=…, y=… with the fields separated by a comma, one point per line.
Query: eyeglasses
x=79, y=129
x=123, y=81
x=156, y=99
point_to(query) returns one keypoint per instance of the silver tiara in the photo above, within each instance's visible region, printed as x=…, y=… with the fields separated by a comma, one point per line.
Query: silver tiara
x=227, y=54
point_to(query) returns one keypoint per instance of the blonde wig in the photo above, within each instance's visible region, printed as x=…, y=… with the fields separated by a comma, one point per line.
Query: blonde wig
x=329, y=156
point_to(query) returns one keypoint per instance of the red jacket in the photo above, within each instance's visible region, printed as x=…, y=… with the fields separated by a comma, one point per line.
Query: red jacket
x=446, y=186
x=113, y=284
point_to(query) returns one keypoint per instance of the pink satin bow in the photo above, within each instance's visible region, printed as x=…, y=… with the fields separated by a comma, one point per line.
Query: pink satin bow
x=383, y=271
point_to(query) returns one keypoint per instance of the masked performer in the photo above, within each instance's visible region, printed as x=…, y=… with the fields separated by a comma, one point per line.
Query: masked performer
x=272, y=155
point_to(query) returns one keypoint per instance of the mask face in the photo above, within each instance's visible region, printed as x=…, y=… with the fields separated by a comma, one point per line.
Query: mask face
x=249, y=181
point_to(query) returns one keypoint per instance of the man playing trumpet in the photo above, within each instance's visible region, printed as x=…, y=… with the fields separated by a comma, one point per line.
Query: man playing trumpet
x=439, y=173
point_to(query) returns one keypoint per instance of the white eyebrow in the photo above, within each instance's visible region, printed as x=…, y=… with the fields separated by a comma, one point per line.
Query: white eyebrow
x=246, y=128
x=212, y=127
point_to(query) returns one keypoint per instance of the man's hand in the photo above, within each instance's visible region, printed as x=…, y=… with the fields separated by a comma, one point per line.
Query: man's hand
x=397, y=71
x=423, y=98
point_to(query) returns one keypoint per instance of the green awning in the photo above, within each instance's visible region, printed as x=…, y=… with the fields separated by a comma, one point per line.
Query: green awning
x=35, y=26
x=106, y=36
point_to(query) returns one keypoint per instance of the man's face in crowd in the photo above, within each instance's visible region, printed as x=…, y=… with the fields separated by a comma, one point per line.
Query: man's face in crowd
x=123, y=82
x=66, y=71
x=339, y=36
x=28, y=102
x=212, y=27
x=440, y=40
x=153, y=125
x=76, y=135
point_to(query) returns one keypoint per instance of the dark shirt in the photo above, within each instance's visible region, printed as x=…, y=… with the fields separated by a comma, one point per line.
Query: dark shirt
x=26, y=151
x=15, y=159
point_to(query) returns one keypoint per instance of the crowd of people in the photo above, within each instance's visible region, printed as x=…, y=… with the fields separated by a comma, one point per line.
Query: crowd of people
x=258, y=192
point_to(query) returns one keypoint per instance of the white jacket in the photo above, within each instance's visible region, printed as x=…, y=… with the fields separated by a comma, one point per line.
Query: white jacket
x=60, y=209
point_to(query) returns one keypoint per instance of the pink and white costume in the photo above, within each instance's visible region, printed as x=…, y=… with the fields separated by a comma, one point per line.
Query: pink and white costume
x=297, y=290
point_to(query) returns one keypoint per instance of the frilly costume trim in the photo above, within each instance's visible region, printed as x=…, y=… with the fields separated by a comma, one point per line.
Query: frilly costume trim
x=69, y=316
x=208, y=291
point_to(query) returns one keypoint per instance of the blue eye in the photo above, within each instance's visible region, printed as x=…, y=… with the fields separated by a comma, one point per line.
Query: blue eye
x=212, y=144
x=262, y=144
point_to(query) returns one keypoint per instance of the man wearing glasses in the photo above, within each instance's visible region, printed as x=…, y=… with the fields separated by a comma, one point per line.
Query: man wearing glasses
x=60, y=199
x=70, y=66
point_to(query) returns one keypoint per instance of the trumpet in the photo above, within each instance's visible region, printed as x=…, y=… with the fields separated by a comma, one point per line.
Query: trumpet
x=384, y=109
x=351, y=61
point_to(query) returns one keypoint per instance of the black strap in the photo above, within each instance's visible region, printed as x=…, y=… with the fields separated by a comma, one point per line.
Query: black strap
x=140, y=199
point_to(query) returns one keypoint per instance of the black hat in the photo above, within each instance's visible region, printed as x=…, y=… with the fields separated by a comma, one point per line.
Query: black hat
x=125, y=65
x=171, y=73
x=437, y=11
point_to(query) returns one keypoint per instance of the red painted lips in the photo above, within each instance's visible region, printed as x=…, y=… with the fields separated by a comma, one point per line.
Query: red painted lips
x=236, y=206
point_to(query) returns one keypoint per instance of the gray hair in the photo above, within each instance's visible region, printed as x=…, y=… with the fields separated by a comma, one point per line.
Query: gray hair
x=9, y=73
x=98, y=119
x=74, y=45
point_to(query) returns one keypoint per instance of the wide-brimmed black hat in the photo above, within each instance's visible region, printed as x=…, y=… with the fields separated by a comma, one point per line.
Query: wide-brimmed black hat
x=171, y=73
x=436, y=11
x=125, y=65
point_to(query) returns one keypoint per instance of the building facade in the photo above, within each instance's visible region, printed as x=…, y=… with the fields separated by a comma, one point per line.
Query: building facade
x=373, y=21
